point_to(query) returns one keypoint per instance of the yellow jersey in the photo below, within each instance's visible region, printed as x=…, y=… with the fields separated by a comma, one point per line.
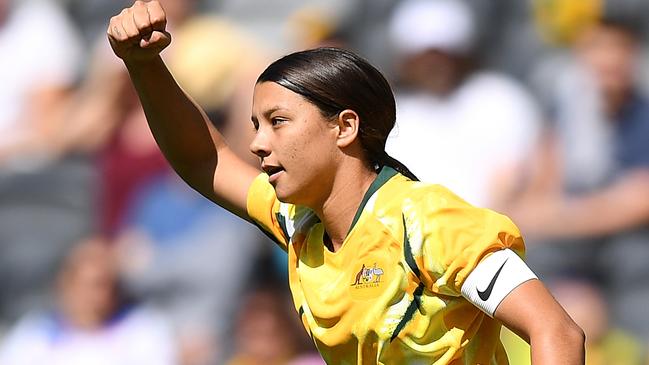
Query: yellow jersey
x=391, y=293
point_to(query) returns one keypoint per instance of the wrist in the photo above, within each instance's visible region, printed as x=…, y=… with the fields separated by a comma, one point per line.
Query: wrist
x=137, y=63
x=138, y=67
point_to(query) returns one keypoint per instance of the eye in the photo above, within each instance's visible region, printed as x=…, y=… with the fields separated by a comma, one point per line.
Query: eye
x=255, y=126
x=276, y=121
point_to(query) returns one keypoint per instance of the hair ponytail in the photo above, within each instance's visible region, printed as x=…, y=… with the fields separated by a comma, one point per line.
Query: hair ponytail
x=386, y=160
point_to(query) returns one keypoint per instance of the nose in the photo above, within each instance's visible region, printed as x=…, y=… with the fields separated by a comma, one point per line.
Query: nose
x=260, y=145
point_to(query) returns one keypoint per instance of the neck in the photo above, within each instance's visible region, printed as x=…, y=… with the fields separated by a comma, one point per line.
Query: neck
x=337, y=212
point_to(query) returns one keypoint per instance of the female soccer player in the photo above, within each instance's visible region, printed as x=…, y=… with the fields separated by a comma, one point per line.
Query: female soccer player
x=383, y=269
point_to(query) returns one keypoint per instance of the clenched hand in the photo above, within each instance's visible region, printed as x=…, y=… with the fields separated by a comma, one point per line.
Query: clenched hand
x=138, y=33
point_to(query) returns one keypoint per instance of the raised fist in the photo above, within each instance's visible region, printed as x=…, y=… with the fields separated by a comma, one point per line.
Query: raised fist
x=138, y=33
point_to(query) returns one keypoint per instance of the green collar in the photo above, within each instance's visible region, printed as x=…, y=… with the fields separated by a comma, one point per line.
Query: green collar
x=384, y=175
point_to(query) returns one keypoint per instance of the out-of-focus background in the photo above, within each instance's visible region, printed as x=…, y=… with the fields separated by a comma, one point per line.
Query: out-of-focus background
x=535, y=108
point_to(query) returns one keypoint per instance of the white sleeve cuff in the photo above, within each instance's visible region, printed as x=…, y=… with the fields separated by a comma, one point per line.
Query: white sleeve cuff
x=494, y=278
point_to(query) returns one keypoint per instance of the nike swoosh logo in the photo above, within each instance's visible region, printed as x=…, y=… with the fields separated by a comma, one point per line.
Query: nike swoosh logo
x=485, y=294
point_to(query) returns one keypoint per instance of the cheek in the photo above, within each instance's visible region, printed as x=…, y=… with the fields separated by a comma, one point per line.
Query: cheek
x=315, y=154
x=300, y=162
x=296, y=151
x=308, y=148
x=310, y=162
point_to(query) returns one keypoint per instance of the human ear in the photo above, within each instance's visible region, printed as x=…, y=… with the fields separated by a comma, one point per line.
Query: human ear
x=348, y=125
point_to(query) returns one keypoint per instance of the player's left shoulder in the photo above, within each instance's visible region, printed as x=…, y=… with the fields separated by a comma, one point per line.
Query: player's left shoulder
x=433, y=196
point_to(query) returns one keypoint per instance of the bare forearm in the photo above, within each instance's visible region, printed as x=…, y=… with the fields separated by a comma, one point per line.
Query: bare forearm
x=179, y=126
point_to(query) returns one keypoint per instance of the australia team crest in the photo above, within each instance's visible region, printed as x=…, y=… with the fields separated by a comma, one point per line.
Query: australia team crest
x=368, y=276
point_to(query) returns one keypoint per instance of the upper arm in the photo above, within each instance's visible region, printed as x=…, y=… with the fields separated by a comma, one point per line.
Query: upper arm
x=532, y=313
x=231, y=181
x=530, y=309
x=246, y=192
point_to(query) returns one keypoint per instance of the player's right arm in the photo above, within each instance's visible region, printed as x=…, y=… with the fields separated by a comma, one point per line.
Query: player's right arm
x=194, y=148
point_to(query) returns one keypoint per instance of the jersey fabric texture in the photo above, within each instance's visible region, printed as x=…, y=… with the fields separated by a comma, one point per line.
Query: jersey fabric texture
x=391, y=293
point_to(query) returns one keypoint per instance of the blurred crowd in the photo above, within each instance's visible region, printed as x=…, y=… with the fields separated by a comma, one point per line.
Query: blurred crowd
x=536, y=108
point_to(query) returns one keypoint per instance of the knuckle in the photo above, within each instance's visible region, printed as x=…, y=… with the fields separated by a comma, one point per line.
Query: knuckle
x=155, y=5
x=141, y=25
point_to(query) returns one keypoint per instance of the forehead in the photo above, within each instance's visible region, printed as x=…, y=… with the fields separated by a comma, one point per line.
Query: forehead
x=270, y=95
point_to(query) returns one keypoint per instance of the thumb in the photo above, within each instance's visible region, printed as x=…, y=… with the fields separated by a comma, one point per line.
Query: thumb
x=156, y=39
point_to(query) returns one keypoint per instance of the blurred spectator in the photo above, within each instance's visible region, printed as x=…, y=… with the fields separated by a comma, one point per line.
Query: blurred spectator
x=267, y=332
x=560, y=22
x=605, y=345
x=91, y=16
x=311, y=27
x=267, y=19
x=586, y=211
x=192, y=260
x=92, y=322
x=45, y=202
x=467, y=129
x=36, y=79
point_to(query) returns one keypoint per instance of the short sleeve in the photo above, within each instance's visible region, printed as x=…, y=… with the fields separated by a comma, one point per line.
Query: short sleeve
x=273, y=217
x=448, y=238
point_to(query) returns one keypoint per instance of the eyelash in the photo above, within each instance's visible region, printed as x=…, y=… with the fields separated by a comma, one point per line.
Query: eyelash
x=276, y=121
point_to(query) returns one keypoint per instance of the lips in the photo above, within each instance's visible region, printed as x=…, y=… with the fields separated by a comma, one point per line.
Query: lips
x=271, y=170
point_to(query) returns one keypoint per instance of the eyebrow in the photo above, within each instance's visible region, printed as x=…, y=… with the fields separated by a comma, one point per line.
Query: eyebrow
x=268, y=112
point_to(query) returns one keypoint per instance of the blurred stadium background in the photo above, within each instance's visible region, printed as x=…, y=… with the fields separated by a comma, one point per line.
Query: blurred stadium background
x=535, y=108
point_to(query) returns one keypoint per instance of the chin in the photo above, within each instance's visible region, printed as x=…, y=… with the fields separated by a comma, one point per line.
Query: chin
x=295, y=197
x=296, y=193
x=284, y=195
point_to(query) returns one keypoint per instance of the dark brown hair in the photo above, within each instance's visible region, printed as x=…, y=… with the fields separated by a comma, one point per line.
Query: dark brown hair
x=335, y=79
